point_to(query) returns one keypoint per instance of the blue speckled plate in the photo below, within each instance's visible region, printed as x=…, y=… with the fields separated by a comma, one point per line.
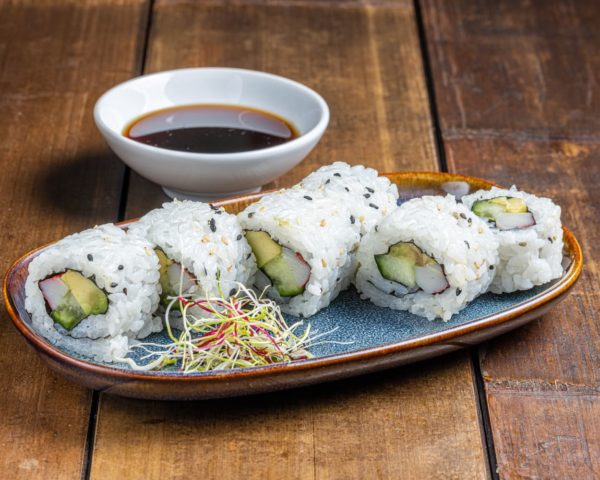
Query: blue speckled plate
x=365, y=338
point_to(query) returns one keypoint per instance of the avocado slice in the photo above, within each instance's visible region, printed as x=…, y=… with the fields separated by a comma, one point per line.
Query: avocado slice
x=516, y=205
x=493, y=207
x=90, y=298
x=71, y=297
x=164, y=264
x=263, y=246
x=406, y=250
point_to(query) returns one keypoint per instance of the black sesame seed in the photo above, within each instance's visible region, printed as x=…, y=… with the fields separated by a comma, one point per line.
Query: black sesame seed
x=251, y=214
x=328, y=180
x=347, y=189
x=205, y=272
x=212, y=225
x=352, y=219
x=491, y=267
x=467, y=243
x=338, y=279
x=369, y=189
x=470, y=220
x=550, y=240
x=337, y=174
x=125, y=291
x=307, y=197
x=522, y=244
x=120, y=267
x=232, y=292
x=213, y=207
x=113, y=285
x=372, y=205
x=463, y=216
x=90, y=257
x=458, y=292
x=367, y=195
x=239, y=237
x=376, y=228
x=248, y=256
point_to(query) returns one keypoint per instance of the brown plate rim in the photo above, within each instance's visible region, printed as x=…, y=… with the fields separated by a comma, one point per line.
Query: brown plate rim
x=556, y=290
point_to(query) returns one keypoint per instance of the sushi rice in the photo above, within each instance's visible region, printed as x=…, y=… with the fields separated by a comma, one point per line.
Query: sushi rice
x=369, y=196
x=206, y=240
x=321, y=230
x=446, y=231
x=124, y=267
x=528, y=256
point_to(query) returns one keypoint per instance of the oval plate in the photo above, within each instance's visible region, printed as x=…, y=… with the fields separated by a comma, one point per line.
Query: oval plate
x=381, y=338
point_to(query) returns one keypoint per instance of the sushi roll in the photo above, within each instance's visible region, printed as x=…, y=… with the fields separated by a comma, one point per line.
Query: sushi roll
x=431, y=257
x=529, y=232
x=304, y=244
x=201, y=249
x=93, y=291
x=368, y=196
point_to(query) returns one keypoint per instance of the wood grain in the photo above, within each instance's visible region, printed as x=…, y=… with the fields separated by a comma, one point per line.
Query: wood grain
x=57, y=178
x=364, y=60
x=406, y=423
x=418, y=422
x=517, y=104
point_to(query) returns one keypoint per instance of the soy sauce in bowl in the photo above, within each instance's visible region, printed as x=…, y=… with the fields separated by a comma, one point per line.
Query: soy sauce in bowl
x=211, y=129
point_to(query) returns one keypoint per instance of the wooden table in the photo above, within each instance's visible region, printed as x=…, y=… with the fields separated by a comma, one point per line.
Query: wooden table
x=503, y=90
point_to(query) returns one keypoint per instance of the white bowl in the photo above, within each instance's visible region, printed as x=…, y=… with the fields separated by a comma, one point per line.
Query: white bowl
x=208, y=176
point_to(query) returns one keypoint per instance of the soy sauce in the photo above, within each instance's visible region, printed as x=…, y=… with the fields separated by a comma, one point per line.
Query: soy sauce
x=211, y=129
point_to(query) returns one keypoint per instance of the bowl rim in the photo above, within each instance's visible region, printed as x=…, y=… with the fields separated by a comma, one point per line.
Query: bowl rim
x=560, y=288
x=302, y=140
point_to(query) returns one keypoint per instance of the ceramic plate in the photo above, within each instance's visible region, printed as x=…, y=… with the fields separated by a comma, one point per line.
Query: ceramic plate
x=379, y=337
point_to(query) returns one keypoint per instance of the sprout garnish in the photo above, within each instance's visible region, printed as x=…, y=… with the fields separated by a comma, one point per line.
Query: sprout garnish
x=243, y=331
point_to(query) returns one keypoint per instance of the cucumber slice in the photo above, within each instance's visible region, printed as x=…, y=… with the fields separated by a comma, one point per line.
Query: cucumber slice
x=486, y=209
x=397, y=269
x=288, y=272
x=407, y=265
x=69, y=313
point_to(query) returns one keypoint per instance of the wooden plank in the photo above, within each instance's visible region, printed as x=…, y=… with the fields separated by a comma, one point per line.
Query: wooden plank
x=493, y=61
x=559, y=437
x=539, y=133
x=57, y=178
x=409, y=423
x=384, y=121
x=418, y=422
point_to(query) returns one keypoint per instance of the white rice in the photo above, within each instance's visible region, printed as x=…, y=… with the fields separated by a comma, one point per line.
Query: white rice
x=368, y=196
x=529, y=256
x=206, y=240
x=321, y=230
x=125, y=268
x=448, y=232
